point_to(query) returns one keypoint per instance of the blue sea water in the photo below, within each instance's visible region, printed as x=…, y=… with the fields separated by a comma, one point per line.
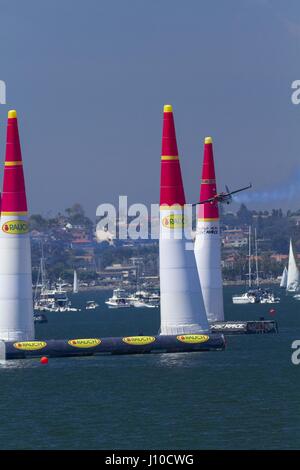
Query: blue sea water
x=246, y=397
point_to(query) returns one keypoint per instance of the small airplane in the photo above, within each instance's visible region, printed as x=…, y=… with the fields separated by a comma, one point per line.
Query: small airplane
x=223, y=197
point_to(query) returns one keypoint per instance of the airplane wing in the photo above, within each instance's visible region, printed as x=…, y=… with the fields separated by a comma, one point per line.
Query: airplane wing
x=239, y=190
x=203, y=202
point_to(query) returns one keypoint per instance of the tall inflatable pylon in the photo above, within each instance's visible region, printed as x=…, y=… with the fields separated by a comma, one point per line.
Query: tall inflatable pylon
x=182, y=306
x=208, y=241
x=16, y=306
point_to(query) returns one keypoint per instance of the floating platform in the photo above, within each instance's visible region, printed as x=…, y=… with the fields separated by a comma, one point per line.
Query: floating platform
x=245, y=327
x=108, y=346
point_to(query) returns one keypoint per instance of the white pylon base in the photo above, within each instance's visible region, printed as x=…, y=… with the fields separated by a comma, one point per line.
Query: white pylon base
x=16, y=305
x=208, y=258
x=181, y=302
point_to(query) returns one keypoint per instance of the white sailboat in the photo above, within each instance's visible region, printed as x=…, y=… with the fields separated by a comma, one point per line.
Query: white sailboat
x=293, y=277
x=75, y=283
x=44, y=296
x=284, y=277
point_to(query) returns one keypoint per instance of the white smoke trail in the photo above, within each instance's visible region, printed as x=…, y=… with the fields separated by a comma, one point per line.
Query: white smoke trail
x=285, y=192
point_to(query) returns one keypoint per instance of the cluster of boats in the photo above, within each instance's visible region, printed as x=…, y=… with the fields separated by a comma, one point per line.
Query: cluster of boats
x=139, y=299
x=54, y=299
x=57, y=300
x=256, y=295
x=290, y=280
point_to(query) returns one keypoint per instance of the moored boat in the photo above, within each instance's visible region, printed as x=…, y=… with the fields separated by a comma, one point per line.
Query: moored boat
x=91, y=305
x=119, y=299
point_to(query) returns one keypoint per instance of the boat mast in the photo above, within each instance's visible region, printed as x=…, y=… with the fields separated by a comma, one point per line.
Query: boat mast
x=43, y=271
x=256, y=258
x=249, y=261
x=41, y=277
x=37, y=284
x=137, y=277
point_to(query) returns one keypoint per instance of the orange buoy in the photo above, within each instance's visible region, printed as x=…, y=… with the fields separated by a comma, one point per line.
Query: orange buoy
x=44, y=360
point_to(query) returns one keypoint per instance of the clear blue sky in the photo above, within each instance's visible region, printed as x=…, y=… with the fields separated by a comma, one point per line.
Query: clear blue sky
x=89, y=80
